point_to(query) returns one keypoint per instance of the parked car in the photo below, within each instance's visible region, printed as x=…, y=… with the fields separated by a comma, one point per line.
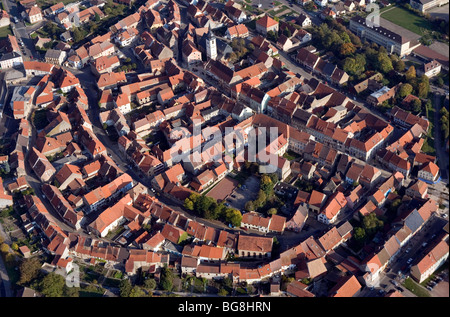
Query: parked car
x=409, y=260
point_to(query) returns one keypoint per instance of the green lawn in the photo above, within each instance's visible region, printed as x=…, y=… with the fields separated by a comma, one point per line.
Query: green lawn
x=4, y=31
x=289, y=155
x=408, y=20
x=415, y=288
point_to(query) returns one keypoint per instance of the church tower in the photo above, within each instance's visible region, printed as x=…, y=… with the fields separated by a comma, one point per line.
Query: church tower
x=211, y=47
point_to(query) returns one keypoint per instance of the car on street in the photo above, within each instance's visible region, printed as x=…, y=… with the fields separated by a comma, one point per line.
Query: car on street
x=409, y=260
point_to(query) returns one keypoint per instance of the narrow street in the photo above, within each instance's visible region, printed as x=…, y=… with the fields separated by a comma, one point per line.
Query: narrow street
x=22, y=31
x=5, y=284
x=441, y=152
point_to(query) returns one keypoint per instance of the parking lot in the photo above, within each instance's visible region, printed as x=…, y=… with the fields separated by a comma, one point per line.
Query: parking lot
x=248, y=191
x=441, y=289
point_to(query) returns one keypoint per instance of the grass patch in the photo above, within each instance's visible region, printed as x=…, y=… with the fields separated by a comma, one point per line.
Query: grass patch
x=428, y=147
x=408, y=20
x=415, y=288
x=5, y=31
x=289, y=155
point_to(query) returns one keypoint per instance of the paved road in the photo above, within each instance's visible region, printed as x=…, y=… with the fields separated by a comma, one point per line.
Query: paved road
x=441, y=152
x=5, y=284
x=413, y=249
x=21, y=31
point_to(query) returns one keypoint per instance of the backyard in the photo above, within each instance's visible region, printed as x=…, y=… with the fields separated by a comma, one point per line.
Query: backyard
x=5, y=31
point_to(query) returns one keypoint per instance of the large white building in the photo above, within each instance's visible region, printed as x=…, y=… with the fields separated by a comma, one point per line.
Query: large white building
x=393, y=42
x=424, y=5
x=430, y=262
x=10, y=60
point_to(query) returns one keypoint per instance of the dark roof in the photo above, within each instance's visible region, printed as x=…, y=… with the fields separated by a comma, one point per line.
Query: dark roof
x=383, y=31
x=414, y=220
x=8, y=56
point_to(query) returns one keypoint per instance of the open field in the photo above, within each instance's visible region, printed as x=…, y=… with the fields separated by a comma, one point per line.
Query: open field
x=406, y=19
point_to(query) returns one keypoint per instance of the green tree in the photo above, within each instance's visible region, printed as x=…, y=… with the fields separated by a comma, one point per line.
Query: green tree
x=423, y=90
x=125, y=288
x=405, y=90
x=272, y=211
x=399, y=65
x=384, y=63
x=249, y=206
x=136, y=291
x=266, y=184
x=416, y=105
x=52, y=285
x=260, y=200
x=150, y=284
x=77, y=34
x=188, y=204
x=371, y=223
x=222, y=292
x=347, y=49
x=360, y=234
x=355, y=66
x=166, y=281
x=4, y=248
x=233, y=216
x=29, y=270
x=410, y=73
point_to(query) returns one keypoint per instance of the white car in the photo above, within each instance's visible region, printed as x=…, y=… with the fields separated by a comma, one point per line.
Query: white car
x=409, y=260
x=444, y=216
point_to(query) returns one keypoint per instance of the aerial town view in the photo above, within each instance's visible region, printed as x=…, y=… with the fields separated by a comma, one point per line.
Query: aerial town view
x=228, y=149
